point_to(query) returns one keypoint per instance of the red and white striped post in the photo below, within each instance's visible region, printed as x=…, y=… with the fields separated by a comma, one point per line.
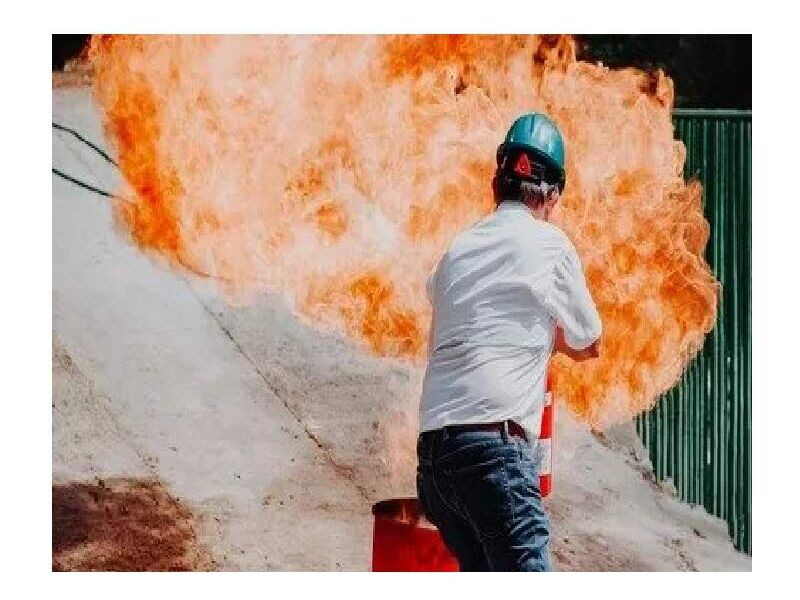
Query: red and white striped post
x=544, y=445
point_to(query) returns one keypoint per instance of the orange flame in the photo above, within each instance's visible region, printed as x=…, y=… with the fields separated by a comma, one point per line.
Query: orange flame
x=336, y=169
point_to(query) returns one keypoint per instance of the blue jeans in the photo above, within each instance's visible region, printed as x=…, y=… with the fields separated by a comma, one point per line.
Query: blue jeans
x=481, y=489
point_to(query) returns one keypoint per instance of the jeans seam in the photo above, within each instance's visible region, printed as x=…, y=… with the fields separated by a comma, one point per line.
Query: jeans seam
x=518, y=465
x=509, y=495
x=509, y=503
x=439, y=493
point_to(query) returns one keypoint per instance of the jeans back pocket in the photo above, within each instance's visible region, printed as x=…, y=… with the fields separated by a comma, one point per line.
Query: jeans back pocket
x=483, y=491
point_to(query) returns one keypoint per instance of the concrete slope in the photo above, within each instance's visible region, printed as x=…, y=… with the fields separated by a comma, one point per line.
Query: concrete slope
x=277, y=436
x=196, y=410
x=607, y=511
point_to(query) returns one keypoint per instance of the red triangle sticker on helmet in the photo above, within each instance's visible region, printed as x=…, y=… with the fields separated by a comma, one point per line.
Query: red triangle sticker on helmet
x=523, y=166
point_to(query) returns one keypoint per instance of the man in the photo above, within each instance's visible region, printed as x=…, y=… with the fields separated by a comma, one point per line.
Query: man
x=508, y=292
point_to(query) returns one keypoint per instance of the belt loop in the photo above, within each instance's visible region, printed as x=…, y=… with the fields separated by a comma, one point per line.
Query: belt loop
x=445, y=433
x=505, y=432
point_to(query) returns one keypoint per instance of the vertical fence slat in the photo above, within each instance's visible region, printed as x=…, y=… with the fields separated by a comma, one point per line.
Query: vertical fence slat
x=699, y=433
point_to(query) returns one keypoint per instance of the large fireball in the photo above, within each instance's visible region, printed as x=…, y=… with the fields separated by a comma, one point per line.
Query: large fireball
x=336, y=169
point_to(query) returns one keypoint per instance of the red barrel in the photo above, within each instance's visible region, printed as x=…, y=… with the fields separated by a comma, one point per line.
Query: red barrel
x=544, y=445
x=404, y=540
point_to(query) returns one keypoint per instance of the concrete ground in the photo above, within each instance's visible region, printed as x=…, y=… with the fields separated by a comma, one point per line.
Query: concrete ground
x=277, y=439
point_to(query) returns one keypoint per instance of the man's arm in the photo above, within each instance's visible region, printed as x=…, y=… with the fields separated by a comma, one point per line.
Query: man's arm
x=591, y=351
x=578, y=325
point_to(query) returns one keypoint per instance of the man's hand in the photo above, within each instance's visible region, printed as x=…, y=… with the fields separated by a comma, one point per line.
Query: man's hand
x=591, y=351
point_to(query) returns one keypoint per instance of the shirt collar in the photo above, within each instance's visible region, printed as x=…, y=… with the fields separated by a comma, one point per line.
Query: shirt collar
x=513, y=206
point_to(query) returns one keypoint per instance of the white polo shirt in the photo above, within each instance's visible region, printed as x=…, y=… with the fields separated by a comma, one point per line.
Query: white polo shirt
x=497, y=295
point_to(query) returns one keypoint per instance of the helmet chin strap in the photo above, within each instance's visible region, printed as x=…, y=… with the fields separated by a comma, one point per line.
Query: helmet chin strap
x=545, y=189
x=541, y=199
x=540, y=192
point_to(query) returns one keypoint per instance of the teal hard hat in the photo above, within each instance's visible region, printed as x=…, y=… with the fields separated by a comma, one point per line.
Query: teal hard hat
x=537, y=137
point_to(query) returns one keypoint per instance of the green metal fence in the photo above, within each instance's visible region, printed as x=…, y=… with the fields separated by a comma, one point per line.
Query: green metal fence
x=698, y=434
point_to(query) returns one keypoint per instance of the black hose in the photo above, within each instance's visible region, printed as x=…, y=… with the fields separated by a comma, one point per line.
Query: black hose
x=97, y=190
x=83, y=184
x=94, y=147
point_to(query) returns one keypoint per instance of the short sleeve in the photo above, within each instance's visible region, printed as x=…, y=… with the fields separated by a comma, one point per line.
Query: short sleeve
x=570, y=304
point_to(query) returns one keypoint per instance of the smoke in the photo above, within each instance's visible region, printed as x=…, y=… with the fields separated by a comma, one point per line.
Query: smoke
x=336, y=169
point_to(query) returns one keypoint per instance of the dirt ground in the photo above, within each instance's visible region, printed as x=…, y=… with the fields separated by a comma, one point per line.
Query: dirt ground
x=237, y=438
x=123, y=525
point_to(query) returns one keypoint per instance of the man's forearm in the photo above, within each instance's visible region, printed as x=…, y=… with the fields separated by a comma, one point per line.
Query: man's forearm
x=591, y=351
